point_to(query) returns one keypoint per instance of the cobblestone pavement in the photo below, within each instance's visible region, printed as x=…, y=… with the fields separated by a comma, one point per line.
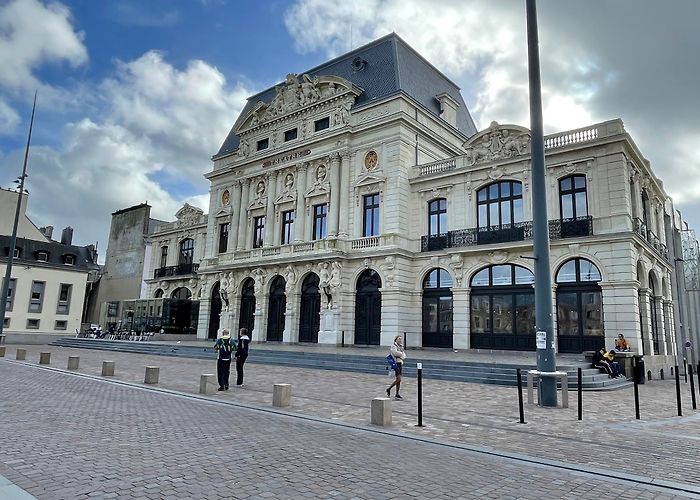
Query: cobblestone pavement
x=154, y=439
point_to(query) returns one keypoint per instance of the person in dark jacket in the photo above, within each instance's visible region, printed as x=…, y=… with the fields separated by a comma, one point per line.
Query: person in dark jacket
x=599, y=361
x=224, y=348
x=241, y=354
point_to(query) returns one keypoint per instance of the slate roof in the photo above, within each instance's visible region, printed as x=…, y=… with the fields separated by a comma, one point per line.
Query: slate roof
x=29, y=248
x=392, y=67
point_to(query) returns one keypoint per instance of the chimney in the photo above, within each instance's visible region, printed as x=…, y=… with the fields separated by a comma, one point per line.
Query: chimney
x=448, y=108
x=47, y=231
x=67, y=236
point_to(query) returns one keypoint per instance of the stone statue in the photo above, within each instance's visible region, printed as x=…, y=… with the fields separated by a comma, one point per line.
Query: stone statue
x=289, y=182
x=244, y=148
x=289, y=275
x=259, y=278
x=334, y=281
x=223, y=292
x=260, y=189
x=320, y=174
x=309, y=92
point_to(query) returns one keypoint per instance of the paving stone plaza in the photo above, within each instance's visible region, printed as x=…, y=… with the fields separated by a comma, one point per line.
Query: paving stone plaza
x=72, y=435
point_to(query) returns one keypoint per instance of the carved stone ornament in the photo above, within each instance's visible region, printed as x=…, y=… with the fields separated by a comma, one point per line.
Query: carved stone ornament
x=371, y=160
x=226, y=198
x=188, y=215
x=497, y=142
x=496, y=173
x=321, y=185
x=498, y=257
x=288, y=193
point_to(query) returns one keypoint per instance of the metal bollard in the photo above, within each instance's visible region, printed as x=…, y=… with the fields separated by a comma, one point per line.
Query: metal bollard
x=342, y=338
x=678, y=393
x=685, y=370
x=520, y=395
x=405, y=345
x=580, y=394
x=636, y=389
x=419, y=371
x=692, y=386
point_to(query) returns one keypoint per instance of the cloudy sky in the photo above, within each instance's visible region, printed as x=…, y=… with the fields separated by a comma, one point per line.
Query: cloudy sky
x=135, y=97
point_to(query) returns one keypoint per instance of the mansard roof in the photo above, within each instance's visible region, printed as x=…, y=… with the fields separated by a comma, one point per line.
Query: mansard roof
x=381, y=69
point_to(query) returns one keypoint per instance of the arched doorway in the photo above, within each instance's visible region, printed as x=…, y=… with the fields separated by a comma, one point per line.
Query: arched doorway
x=579, y=307
x=275, y=310
x=309, y=315
x=215, y=311
x=368, y=308
x=246, y=317
x=503, y=308
x=437, y=309
x=181, y=293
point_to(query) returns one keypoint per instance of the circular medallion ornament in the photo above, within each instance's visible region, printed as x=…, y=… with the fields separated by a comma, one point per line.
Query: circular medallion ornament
x=226, y=198
x=371, y=160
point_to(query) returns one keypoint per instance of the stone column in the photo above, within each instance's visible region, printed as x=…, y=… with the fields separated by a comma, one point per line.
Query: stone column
x=345, y=165
x=299, y=213
x=270, y=226
x=645, y=317
x=661, y=227
x=243, y=216
x=235, y=219
x=334, y=207
x=461, y=316
x=210, y=249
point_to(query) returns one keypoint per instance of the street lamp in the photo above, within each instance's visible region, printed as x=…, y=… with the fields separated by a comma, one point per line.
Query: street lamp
x=13, y=239
x=546, y=361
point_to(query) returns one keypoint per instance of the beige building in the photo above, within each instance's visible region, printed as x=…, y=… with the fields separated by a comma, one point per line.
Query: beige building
x=46, y=296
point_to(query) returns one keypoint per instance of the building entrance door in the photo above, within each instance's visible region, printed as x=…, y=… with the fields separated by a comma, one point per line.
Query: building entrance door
x=275, y=311
x=309, y=316
x=247, y=312
x=368, y=309
x=214, y=312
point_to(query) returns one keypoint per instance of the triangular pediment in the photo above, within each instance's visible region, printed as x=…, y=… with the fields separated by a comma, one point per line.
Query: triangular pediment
x=318, y=189
x=498, y=142
x=369, y=179
x=258, y=203
x=286, y=197
x=223, y=212
x=188, y=215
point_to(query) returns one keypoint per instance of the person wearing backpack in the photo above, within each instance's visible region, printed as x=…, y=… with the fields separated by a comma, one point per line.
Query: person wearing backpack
x=399, y=354
x=241, y=354
x=224, y=348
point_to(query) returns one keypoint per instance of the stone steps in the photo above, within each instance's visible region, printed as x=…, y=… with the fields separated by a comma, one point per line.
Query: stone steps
x=462, y=371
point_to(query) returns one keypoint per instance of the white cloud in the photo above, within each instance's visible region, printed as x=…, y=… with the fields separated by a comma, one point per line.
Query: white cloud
x=9, y=119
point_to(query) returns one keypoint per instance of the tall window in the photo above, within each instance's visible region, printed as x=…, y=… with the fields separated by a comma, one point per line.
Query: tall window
x=258, y=231
x=572, y=197
x=10, y=295
x=321, y=124
x=163, y=256
x=287, y=227
x=223, y=237
x=437, y=217
x=437, y=309
x=653, y=315
x=500, y=203
x=186, y=251
x=370, y=221
x=36, y=297
x=64, y=293
x=320, y=214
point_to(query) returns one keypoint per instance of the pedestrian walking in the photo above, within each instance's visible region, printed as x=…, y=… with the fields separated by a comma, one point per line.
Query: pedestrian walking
x=224, y=349
x=397, y=351
x=241, y=354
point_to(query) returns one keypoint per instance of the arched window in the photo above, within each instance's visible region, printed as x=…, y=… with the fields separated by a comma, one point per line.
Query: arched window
x=158, y=294
x=653, y=314
x=573, y=207
x=503, y=308
x=579, y=307
x=186, y=252
x=181, y=293
x=499, y=204
x=437, y=309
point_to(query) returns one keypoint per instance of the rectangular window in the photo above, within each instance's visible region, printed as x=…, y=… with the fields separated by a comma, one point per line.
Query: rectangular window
x=287, y=227
x=321, y=124
x=370, y=222
x=112, y=309
x=290, y=135
x=263, y=144
x=61, y=324
x=163, y=256
x=320, y=215
x=32, y=324
x=42, y=256
x=36, y=297
x=258, y=231
x=69, y=259
x=64, y=293
x=10, y=295
x=17, y=253
x=223, y=237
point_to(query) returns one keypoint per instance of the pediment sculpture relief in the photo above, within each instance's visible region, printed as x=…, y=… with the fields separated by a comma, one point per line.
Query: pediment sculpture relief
x=321, y=184
x=289, y=192
x=260, y=199
x=496, y=143
x=188, y=215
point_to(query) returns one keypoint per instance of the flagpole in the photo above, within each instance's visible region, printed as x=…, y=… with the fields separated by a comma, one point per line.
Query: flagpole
x=13, y=239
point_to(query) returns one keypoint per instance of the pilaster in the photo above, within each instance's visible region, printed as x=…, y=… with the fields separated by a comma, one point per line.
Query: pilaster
x=243, y=216
x=235, y=220
x=300, y=214
x=334, y=205
x=270, y=226
x=345, y=162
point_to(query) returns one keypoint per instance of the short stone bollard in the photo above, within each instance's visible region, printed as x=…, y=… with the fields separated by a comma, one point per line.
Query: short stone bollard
x=45, y=358
x=152, y=373
x=281, y=395
x=380, y=413
x=2, y=351
x=207, y=383
x=108, y=368
x=73, y=362
x=21, y=354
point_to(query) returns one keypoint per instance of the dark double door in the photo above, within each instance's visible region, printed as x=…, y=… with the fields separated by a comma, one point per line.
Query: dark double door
x=247, y=313
x=309, y=317
x=214, y=312
x=368, y=309
x=276, y=308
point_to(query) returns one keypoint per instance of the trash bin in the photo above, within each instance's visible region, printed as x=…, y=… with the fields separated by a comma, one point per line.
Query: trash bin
x=639, y=373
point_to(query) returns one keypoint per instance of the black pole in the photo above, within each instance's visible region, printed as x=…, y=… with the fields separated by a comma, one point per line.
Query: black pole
x=520, y=396
x=405, y=346
x=636, y=388
x=419, y=370
x=685, y=369
x=678, y=393
x=580, y=394
x=692, y=386
x=342, y=338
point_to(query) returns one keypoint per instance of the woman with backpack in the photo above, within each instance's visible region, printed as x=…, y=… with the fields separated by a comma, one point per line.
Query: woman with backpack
x=398, y=353
x=224, y=348
x=241, y=354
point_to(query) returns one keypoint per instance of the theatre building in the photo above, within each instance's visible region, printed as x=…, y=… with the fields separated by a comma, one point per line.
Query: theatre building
x=357, y=200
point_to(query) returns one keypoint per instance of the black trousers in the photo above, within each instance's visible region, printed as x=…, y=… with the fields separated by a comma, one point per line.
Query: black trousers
x=240, y=361
x=223, y=371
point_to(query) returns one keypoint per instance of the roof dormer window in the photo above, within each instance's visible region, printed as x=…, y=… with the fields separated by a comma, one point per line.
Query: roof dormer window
x=290, y=135
x=42, y=256
x=263, y=144
x=69, y=259
x=322, y=124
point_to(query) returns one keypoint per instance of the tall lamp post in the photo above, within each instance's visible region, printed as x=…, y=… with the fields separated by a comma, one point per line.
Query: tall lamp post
x=546, y=361
x=13, y=239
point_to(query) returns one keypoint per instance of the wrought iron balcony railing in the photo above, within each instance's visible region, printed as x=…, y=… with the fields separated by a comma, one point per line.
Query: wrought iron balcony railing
x=642, y=230
x=180, y=270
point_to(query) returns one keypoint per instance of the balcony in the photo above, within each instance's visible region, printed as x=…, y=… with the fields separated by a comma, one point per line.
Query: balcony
x=570, y=228
x=640, y=227
x=180, y=270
